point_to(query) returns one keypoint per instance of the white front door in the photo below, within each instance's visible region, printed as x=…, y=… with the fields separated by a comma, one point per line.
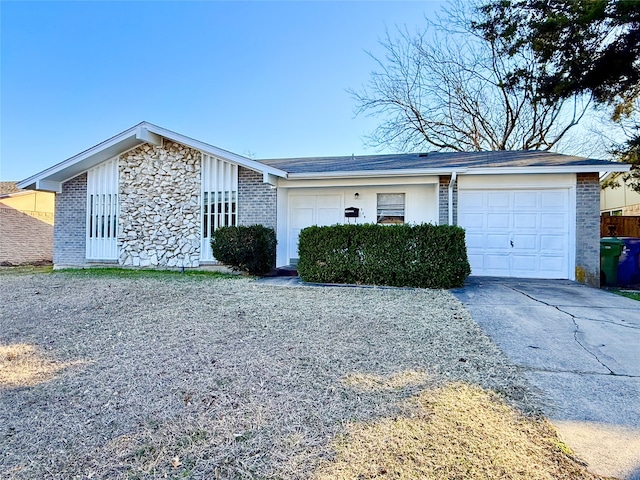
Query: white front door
x=517, y=233
x=308, y=210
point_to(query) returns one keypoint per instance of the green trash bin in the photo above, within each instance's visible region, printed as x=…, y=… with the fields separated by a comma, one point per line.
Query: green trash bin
x=610, y=251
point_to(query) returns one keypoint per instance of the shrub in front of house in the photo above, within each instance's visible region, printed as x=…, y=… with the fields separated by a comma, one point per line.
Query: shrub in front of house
x=249, y=249
x=425, y=255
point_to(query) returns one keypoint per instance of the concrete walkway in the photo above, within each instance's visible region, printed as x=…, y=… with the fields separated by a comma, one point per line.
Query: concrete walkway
x=581, y=347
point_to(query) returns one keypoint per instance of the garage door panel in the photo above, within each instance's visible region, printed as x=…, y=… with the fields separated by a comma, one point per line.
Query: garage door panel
x=525, y=220
x=527, y=201
x=499, y=264
x=552, y=243
x=539, y=267
x=497, y=241
x=536, y=221
x=472, y=202
x=474, y=240
x=524, y=263
x=498, y=220
x=553, y=221
x=553, y=266
x=493, y=261
x=525, y=242
x=472, y=221
x=554, y=200
x=498, y=201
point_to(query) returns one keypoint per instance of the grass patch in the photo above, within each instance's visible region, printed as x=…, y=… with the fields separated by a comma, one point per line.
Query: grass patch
x=245, y=380
x=457, y=432
x=117, y=272
x=25, y=270
x=627, y=293
x=23, y=365
x=113, y=272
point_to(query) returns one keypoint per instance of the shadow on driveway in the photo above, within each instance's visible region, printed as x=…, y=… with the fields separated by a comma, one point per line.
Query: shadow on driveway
x=581, y=347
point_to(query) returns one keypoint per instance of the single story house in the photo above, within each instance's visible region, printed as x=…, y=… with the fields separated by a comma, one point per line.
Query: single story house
x=152, y=197
x=620, y=199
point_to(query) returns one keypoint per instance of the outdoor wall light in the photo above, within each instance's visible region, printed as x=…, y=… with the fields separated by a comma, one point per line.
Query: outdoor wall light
x=356, y=195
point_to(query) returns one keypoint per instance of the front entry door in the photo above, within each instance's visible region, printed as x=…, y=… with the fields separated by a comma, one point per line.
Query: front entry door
x=308, y=210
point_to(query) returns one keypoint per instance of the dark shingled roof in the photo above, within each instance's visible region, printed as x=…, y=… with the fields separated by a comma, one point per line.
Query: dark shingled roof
x=437, y=160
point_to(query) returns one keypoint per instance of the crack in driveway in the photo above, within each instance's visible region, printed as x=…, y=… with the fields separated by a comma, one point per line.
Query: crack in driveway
x=576, y=372
x=587, y=403
x=600, y=321
x=575, y=323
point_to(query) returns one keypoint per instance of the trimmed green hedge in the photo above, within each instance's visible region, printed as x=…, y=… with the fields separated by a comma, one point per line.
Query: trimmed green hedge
x=248, y=249
x=425, y=256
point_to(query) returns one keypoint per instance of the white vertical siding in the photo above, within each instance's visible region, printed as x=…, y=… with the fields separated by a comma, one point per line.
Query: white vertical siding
x=219, y=199
x=102, y=211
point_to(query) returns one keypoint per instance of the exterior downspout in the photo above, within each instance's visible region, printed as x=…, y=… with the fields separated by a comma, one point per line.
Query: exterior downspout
x=454, y=176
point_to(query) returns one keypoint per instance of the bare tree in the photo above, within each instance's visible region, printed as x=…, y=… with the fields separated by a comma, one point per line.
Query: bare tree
x=449, y=88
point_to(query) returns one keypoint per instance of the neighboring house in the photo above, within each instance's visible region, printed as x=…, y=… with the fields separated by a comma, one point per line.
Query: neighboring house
x=620, y=199
x=152, y=197
x=26, y=225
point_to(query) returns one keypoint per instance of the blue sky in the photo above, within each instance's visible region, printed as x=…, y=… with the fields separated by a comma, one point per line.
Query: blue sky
x=263, y=79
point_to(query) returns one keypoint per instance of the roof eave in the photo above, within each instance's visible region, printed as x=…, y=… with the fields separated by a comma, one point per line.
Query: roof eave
x=375, y=173
x=52, y=178
x=596, y=168
x=215, y=151
x=619, y=167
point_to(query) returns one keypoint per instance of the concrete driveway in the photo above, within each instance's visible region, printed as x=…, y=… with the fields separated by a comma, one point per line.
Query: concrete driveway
x=580, y=347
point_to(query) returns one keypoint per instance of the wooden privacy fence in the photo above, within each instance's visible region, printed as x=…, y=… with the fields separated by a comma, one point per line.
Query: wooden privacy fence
x=619, y=226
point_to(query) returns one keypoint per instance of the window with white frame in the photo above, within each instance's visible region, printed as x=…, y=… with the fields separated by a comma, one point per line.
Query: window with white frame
x=219, y=210
x=102, y=211
x=219, y=199
x=391, y=208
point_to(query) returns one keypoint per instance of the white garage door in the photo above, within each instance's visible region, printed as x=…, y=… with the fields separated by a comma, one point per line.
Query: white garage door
x=516, y=233
x=308, y=210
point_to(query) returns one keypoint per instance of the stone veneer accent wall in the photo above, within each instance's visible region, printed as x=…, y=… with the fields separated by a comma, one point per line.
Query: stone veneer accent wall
x=69, y=230
x=443, y=200
x=256, y=200
x=160, y=206
x=588, y=229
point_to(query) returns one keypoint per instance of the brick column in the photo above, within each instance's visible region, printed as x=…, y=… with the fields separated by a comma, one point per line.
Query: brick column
x=588, y=229
x=443, y=200
x=69, y=231
x=256, y=200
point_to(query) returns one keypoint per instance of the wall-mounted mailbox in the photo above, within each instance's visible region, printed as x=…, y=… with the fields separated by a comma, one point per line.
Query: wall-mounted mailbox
x=352, y=212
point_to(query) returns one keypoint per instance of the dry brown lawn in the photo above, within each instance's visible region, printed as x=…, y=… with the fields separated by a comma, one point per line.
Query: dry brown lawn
x=24, y=365
x=168, y=376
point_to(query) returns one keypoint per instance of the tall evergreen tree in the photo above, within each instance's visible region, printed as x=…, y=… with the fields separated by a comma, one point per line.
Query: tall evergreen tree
x=589, y=47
